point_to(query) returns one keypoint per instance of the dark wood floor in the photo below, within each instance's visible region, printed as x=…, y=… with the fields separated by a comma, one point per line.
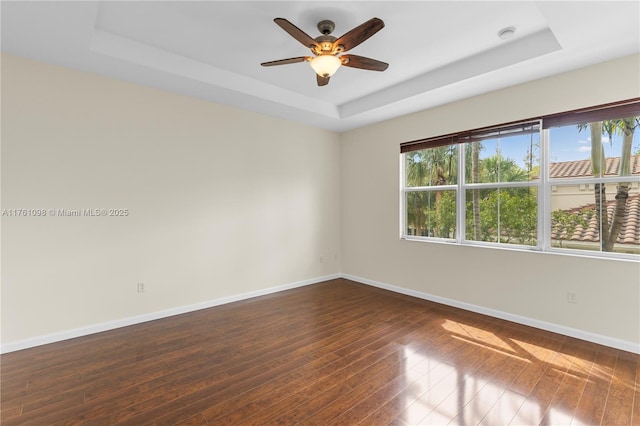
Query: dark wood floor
x=331, y=353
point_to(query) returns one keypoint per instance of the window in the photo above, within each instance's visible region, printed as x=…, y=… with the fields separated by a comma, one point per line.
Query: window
x=594, y=170
x=568, y=182
x=431, y=180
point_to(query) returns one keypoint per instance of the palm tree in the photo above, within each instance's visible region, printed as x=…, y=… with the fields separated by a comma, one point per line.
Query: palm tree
x=609, y=229
x=417, y=170
x=499, y=169
x=429, y=167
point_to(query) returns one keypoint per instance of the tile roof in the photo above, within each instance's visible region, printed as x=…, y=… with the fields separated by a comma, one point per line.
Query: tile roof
x=629, y=232
x=582, y=168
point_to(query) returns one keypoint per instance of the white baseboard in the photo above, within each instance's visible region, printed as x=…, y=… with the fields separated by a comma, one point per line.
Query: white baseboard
x=110, y=325
x=543, y=325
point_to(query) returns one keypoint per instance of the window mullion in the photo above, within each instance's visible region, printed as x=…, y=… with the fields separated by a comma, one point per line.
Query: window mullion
x=496, y=185
x=403, y=197
x=592, y=180
x=431, y=188
x=461, y=195
x=544, y=194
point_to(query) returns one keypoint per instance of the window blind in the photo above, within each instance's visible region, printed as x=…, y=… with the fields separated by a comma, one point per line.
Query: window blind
x=475, y=135
x=621, y=109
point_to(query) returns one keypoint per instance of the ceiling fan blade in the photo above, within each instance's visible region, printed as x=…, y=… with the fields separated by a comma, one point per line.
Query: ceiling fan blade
x=322, y=81
x=285, y=61
x=296, y=33
x=359, y=34
x=355, y=61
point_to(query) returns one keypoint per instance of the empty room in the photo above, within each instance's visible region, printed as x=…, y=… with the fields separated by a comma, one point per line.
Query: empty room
x=296, y=212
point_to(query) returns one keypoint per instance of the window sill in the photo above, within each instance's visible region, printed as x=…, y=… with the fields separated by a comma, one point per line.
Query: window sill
x=528, y=249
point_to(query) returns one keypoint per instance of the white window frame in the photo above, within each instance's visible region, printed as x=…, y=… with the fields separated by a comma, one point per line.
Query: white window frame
x=548, y=192
x=461, y=187
x=544, y=191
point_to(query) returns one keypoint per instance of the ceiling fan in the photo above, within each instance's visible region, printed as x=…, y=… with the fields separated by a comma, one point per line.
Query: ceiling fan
x=326, y=48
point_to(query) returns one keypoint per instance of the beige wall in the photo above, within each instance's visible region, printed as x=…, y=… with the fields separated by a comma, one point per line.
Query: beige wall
x=525, y=284
x=222, y=201
x=225, y=202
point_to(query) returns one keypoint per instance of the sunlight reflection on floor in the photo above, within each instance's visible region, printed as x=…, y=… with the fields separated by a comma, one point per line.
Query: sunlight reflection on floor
x=438, y=390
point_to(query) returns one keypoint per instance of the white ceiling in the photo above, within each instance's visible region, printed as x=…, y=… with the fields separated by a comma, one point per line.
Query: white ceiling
x=438, y=51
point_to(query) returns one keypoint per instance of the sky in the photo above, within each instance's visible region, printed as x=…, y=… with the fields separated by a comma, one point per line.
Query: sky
x=568, y=144
x=565, y=144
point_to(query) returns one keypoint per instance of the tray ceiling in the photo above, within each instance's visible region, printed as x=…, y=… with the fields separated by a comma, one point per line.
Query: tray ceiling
x=438, y=51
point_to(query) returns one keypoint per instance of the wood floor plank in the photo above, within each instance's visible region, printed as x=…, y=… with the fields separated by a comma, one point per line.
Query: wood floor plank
x=591, y=406
x=619, y=406
x=325, y=377
x=544, y=391
x=266, y=396
x=565, y=401
x=417, y=366
x=206, y=399
x=337, y=352
x=421, y=378
x=474, y=394
x=635, y=417
x=329, y=405
x=496, y=393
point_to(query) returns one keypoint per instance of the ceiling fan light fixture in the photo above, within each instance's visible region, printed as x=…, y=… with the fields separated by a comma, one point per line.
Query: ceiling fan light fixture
x=325, y=65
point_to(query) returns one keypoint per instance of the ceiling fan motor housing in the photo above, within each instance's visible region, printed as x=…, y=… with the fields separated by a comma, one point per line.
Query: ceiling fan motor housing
x=325, y=41
x=326, y=27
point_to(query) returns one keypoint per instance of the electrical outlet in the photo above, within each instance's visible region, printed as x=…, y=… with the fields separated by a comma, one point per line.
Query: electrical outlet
x=140, y=287
x=572, y=298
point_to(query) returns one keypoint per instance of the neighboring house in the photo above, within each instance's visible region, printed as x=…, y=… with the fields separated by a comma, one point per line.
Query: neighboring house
x=583, y=236
x=566, y=197
x=579, y=198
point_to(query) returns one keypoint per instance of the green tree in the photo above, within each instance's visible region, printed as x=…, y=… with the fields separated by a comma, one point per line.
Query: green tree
x=501, y=215
x=564, y=224
x=509, y=216
x=519, y=215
